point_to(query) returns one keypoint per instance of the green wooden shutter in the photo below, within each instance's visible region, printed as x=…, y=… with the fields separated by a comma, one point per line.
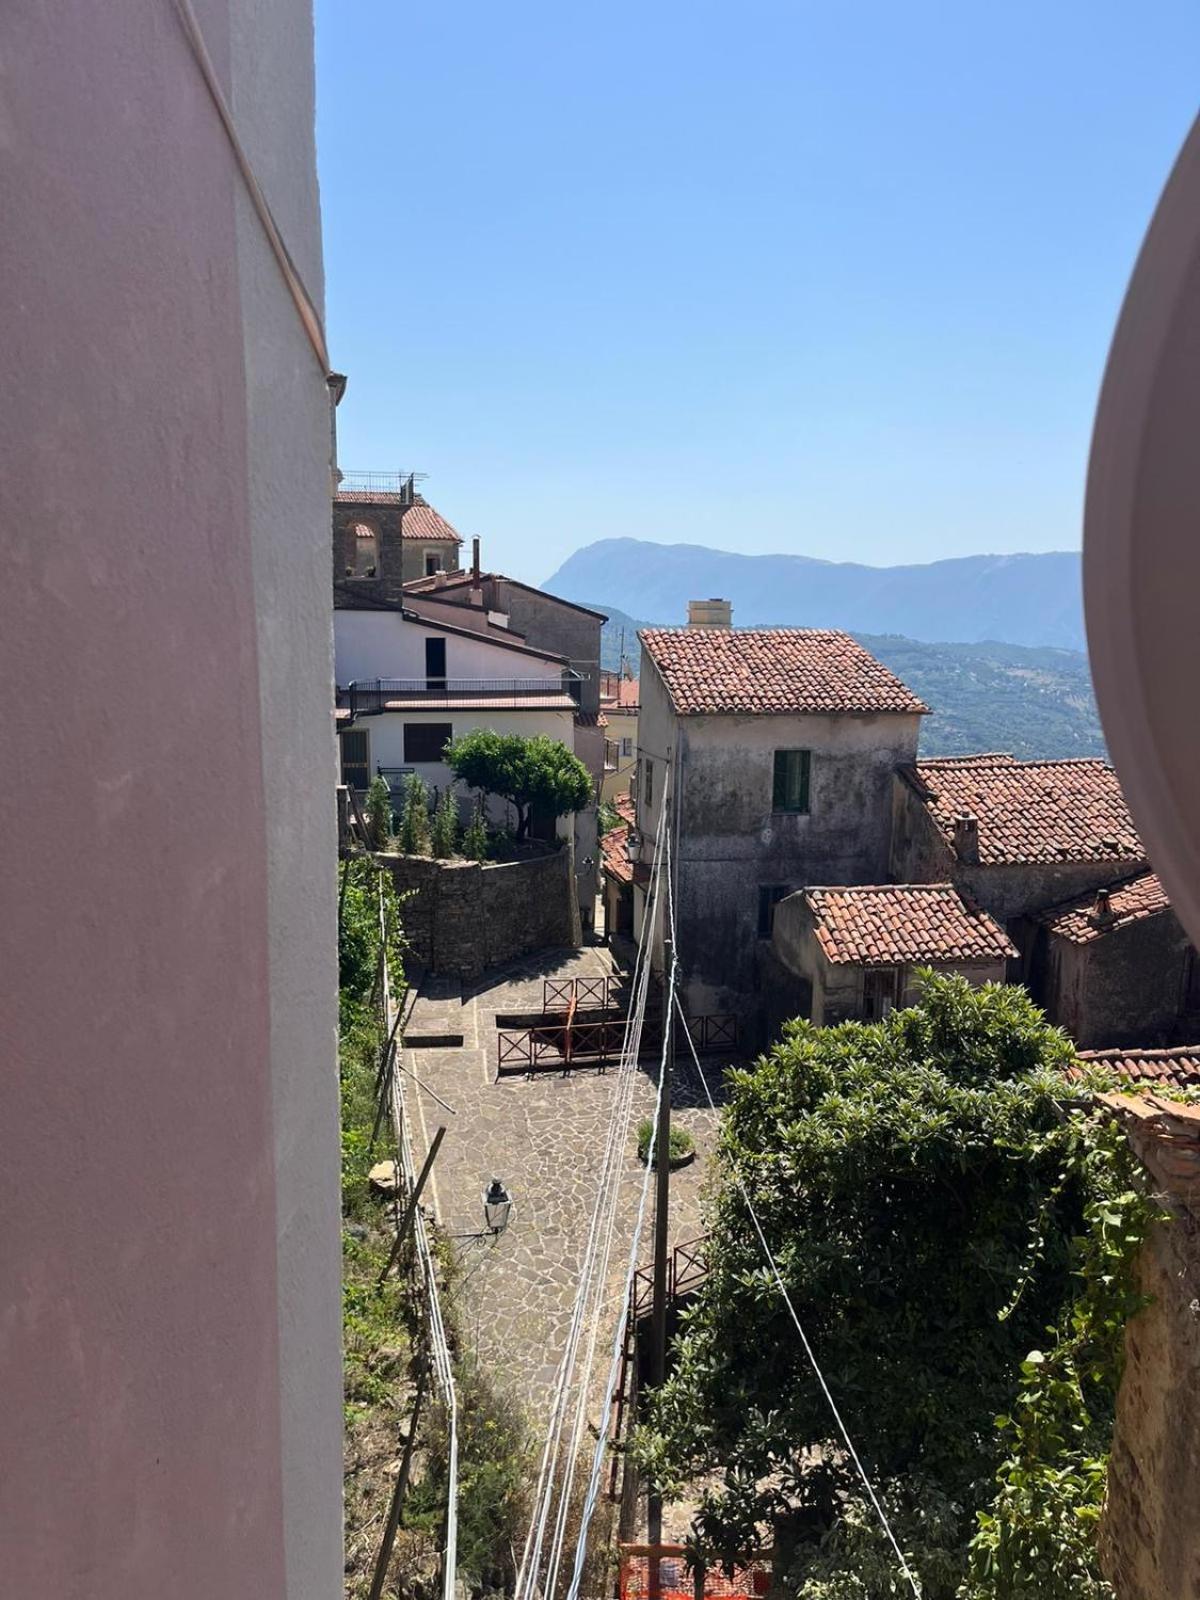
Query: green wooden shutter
x=804, y=762
x=779, y=797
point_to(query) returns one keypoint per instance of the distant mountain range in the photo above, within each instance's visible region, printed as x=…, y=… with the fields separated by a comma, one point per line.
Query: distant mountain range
x=1031, y=701
x=1022, y=599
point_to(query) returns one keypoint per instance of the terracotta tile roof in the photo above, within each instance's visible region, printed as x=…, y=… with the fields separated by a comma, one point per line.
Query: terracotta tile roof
x=614, y=854
x=892, y=924
x=617, y=693
x=1179, y=1065
x=1085, y=917
x=772, y=671
x=590, y=719
x=419, y=521
x=625, y=806
x=1032, y=810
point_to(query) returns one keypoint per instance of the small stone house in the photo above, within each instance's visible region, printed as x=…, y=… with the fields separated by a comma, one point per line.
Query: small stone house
x=1015, y=836
x=1115, y=967
x=850, y=953
x=776, y=750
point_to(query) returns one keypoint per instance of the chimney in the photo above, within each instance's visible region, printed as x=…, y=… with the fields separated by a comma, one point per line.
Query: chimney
x=1102, y=911
x=475, y=563
x=966, y=837
x=710, y=614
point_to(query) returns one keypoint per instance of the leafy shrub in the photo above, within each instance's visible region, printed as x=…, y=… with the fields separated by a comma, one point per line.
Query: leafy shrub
x=444, y=830
x=414, y=823
x=681, y=1143
x=379, y=812
x=475, y=839
x=932, y=1210
x=535, y=773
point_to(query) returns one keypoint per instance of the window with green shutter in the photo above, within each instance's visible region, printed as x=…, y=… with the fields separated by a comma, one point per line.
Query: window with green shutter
x=791, y=780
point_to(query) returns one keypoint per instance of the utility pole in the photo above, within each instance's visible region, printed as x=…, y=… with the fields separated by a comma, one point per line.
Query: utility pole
x=662, y=1195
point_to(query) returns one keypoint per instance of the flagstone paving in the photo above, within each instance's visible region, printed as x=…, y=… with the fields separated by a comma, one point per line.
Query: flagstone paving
x=545, y=1136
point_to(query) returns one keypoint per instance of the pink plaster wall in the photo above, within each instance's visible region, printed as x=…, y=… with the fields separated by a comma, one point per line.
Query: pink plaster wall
x=138, y=1303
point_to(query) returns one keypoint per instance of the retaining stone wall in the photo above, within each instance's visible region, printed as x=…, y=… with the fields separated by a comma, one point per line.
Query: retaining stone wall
x=464, y=916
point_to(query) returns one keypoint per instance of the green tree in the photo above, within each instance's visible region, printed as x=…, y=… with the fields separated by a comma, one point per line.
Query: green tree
x=537, y=773
x=414, y=821
x=444, y=830
x=379, y=812
x=928, y=1202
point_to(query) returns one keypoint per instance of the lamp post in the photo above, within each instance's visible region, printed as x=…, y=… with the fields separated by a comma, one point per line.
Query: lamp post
x=497, y=1207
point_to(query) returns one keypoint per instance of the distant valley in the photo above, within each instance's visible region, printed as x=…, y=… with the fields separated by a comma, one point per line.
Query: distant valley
x=1032, y=701
x=1020, y=599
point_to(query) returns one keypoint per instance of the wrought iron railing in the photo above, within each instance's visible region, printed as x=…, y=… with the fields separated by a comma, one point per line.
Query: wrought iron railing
x=367, y=696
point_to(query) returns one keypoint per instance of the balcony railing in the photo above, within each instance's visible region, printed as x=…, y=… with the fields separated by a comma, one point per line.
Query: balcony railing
x=368, y=696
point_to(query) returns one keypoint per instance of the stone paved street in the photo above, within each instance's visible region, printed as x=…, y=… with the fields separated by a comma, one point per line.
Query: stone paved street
x=544, y=1136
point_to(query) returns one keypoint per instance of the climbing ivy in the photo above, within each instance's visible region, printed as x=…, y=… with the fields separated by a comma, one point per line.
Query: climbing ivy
x=957, y=1237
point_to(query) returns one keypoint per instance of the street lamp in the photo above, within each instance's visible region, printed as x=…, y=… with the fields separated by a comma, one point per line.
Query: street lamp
x=497, y=1207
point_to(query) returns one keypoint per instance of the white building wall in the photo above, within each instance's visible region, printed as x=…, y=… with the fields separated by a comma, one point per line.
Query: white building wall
x=385, y=644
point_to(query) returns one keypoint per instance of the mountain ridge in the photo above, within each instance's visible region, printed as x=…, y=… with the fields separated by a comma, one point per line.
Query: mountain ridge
x=1025, y=599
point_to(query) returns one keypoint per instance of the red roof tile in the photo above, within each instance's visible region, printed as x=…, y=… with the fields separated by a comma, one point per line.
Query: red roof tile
x=893, y=924
x=614, y=854
x=419, y=521
x=1179, y=1065
x=1084, y=918
x=617, y=693
x=1032, y=810
x=772, y=671
x=626, y=806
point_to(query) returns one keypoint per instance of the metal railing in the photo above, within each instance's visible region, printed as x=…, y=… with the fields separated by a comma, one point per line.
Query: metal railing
x=368, y=696
x=351, y=482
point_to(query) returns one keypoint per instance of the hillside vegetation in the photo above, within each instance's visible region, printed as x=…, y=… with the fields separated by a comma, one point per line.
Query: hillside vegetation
x=1022, y=599
x=1032, y=701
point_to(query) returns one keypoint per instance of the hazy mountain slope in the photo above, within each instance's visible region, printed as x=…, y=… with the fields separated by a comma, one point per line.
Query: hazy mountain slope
x=990, y=696
x=1023, y=599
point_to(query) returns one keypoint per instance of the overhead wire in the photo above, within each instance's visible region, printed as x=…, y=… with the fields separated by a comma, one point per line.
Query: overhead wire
x=769, y=1255
x=593, y=1489
x=592, y=1282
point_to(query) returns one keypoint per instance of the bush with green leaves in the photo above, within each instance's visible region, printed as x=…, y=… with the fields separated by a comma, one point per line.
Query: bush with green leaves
x=934, y=1208
x=414, y=820
x=475, y=839
x=379, y=812
x=535, y=774
x=444, y=828
x=680, y=1143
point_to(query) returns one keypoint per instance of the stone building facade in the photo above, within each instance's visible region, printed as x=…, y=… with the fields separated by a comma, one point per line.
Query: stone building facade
x=1114, y=967
x=775, y=750
x=850, y=954
x=382, y=538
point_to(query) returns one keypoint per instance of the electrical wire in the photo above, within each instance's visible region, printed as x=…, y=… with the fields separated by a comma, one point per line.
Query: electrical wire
x=593, y=1276
x=787, y=1299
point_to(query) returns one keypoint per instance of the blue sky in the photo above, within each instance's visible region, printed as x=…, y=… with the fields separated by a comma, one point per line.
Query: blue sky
x=834, y=280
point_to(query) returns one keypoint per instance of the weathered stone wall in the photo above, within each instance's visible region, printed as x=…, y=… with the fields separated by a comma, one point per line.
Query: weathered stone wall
x=463, y=916
x=1129, y=987
x=1152, y=1524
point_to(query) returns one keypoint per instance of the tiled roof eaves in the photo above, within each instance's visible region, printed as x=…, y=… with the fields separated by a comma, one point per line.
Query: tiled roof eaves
x=888, y=925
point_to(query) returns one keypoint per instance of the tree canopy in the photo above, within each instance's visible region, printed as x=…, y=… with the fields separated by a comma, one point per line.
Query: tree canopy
x=535, y=773
x=931, y=1206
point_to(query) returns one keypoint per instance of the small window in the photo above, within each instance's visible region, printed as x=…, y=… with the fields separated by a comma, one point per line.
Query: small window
x=647, y=795
x=882, y=991
x=435, y=661
x=355, y=746
x=425, y=741
x=433, y=563
x=769, y=896
x=791, y=780
x=366, y=550
x=626, y=747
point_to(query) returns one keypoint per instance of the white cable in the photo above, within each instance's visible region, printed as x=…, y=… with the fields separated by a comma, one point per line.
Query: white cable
x=591, y=1284
x=593, y=1490
x=787, y=1299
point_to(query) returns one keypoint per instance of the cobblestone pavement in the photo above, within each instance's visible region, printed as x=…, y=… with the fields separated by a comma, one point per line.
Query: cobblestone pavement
x=544, y=1135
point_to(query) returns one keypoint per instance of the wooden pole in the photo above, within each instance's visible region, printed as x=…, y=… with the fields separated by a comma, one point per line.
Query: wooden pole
x=662, y=1200
x=406, y=1221
x=383, y=1560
